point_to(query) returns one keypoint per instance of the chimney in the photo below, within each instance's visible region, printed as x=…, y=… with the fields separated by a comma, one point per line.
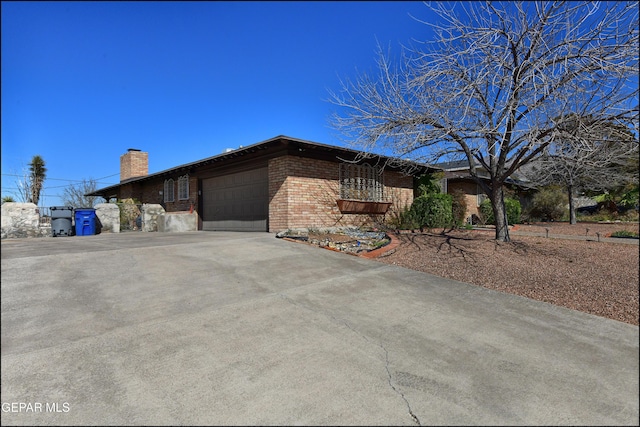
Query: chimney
x=133, y=164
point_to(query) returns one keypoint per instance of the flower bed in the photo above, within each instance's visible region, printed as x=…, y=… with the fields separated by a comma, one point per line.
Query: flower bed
x=350, y=240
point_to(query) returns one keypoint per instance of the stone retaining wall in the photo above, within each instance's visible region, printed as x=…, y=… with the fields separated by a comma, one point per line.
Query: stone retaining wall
x=22, y=220
x=150, y=213
x=108, y=215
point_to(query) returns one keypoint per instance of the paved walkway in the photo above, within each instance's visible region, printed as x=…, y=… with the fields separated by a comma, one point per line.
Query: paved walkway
x=246, y=329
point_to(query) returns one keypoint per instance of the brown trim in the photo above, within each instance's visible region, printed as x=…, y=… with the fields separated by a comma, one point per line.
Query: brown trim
x=264, y=151
x=362, y=207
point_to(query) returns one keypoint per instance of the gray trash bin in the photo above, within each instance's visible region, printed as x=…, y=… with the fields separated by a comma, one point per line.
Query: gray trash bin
x=61, y=221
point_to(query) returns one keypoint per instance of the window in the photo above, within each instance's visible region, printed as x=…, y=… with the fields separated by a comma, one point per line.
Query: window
x=361, y=182
x=183, y=187
x=169, y=190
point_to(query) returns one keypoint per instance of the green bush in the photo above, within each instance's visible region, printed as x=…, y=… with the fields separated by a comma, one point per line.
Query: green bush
x=629, y=199
x=403, y=220
x=428, y=184
x=624, y=233
x=604, y=215
x=459, y=208
x=548, y=204
x=512, y=206
x=432, y=211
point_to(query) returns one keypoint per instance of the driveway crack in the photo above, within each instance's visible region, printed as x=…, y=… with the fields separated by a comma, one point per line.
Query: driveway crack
x=361, y=335
x=401, y=394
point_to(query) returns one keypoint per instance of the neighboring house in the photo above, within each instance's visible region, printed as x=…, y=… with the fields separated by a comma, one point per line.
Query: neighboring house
x=457, y=177
x=278, y=184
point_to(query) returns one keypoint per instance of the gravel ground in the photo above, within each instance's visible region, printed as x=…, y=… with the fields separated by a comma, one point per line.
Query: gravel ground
x=594, y=277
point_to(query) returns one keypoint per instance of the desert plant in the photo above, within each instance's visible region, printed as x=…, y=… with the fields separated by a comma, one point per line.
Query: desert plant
x=37, y=175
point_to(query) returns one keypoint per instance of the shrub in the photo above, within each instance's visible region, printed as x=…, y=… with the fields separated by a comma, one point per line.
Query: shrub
x=458, y=207
x=630, y=215
x=548, y=204
x=605, y=215
x=403, y=220
x=630, y=198
x=428, y=184
x=512, y=206
x=432, y=211
x=624, y=233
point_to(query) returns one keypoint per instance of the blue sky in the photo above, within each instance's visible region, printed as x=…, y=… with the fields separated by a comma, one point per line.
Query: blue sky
x=84, y=81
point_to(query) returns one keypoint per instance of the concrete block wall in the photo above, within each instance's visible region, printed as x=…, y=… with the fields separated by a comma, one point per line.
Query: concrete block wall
x=178, y=222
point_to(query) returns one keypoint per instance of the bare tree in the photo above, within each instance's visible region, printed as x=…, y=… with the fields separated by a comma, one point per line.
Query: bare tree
x=22, y=191
x=75, y=194
x=588, y=155
x=495, y=86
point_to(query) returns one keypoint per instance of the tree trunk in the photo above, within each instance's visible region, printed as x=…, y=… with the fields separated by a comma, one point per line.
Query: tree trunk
x=500, y=213
x=572, y=206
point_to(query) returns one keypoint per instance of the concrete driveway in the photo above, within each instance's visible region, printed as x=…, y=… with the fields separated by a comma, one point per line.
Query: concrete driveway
x=246, y=329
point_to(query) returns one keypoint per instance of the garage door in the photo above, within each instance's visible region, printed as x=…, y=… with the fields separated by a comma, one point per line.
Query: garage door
x=236, y=202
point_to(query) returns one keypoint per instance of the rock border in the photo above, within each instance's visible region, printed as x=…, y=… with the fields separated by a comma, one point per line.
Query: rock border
x=387, y=249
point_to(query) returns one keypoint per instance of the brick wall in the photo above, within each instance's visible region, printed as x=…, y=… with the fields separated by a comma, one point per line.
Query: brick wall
x=303, y=193
x=278, y=194
x=149, y=192
x=470, y=190
x=134, y=164
x=152, y=192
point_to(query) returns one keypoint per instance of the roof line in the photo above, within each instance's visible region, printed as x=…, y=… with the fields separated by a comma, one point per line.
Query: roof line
x=239, y=151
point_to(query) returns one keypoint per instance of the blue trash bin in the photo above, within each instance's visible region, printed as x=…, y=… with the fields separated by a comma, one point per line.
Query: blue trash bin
x=85, y=222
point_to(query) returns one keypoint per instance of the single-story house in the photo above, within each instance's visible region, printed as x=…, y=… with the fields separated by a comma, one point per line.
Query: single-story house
x=278, y=184
x=458, y=177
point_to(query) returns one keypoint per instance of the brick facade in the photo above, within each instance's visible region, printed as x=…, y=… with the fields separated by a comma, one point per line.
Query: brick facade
x=152, y=192
x=470, y=191
x=134, y=164
x=303, y=183
x=303, y=193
